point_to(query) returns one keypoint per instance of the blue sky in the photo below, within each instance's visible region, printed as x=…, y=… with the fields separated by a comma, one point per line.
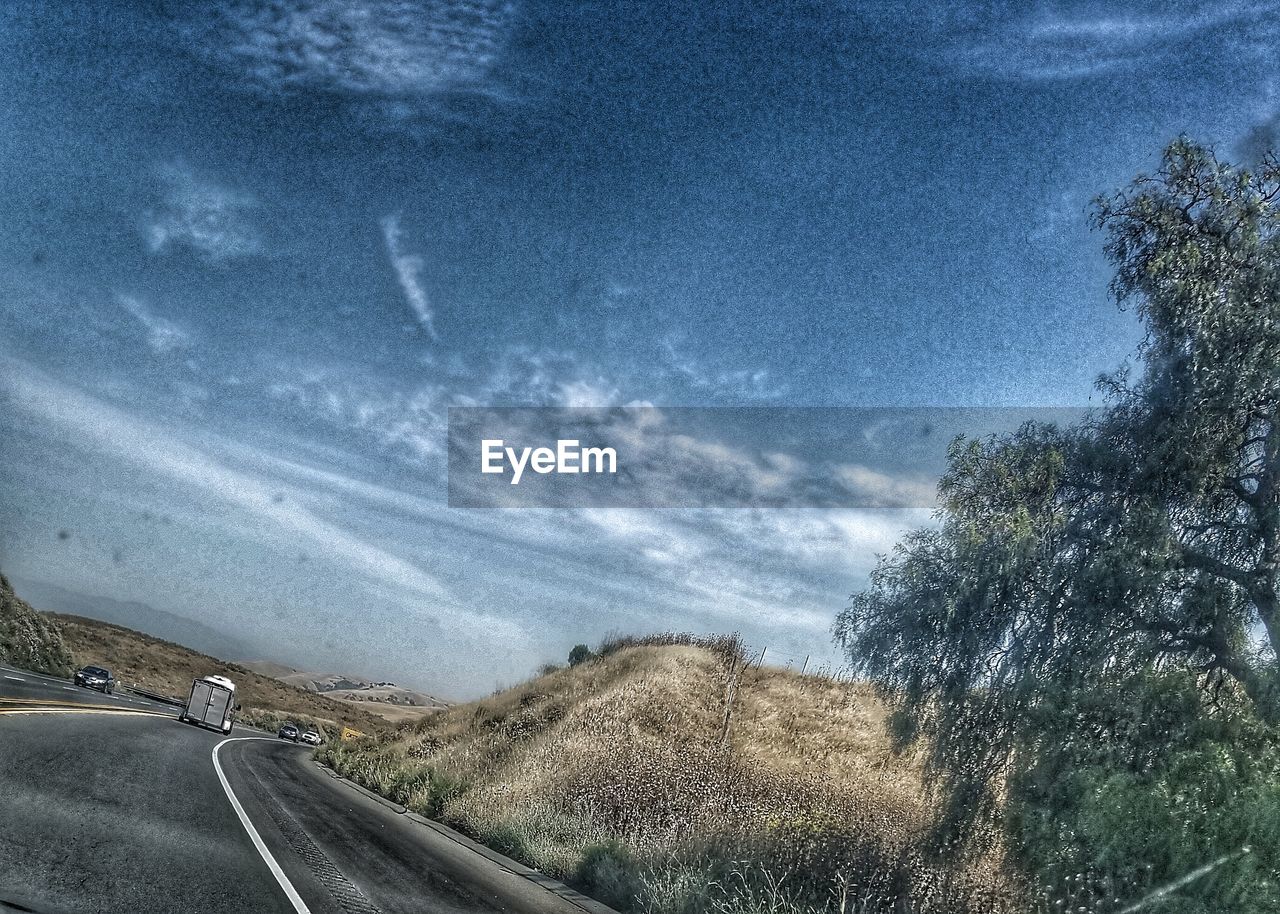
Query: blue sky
x=255, y=250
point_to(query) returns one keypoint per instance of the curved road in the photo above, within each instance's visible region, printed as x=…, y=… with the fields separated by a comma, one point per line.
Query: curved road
x=109, y=804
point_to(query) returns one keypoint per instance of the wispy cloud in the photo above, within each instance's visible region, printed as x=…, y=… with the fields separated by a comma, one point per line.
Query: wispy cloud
x=1065, y=42
x=748, y=567
x=773, y=575
x=526, y=376
x=408, y=269
x=163, y=335
x=200, y=216
x=410, y=423
x=383, y=47
x=753, y=384
x=96, y=424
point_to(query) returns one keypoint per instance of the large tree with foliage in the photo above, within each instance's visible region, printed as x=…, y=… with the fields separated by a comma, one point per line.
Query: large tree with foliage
x=1146, y=538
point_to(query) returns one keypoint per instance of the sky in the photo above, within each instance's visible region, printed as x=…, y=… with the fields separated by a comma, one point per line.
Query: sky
x=253, y=252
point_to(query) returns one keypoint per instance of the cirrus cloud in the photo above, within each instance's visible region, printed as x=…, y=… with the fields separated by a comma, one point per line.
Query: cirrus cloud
x=408, y=268
x=200, y=216
x=163, y=335
x=382, y=47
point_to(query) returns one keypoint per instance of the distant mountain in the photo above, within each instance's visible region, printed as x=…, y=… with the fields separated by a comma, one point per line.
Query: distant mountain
x=312, y=682
x=388, y=699
x=158, y=623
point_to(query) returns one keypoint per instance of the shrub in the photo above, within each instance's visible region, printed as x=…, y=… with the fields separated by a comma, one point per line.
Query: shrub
x=29, y=639
x=726, y=646
x=611, y=873
x=1165, y=782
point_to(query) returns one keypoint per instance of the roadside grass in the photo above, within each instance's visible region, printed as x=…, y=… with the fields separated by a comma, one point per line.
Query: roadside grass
x=611, y=775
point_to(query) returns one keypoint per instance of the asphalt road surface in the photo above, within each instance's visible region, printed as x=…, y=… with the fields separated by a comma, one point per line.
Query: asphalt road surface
x=109, y=804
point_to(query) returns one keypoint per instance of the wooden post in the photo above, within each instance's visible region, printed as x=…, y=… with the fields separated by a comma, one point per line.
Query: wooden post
x=806, y=664
x=730, y=696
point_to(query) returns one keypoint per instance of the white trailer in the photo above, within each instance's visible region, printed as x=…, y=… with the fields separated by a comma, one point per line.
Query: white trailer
x=212, y=704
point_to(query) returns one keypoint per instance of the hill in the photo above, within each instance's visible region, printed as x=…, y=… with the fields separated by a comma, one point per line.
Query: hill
x=168, y=668
x=385, y=699
x=27, y=638
x=158, y=623
x=613, y=775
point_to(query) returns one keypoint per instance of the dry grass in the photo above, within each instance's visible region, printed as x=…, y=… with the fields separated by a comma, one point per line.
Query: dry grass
x=167, y=668
x=392, y=713
x=612, y=774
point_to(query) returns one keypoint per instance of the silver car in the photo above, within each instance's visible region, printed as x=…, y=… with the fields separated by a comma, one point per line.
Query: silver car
x=312, y=738
x=95, y=677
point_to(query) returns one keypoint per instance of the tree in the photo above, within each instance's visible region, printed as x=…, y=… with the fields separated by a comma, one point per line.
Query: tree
x=580, y=654
x=1146, y=537
x=1148, y=784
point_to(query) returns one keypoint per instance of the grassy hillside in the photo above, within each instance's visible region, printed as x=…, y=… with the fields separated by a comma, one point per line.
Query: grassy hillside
x=612, y=775
x=29, y=639
x=167, y=668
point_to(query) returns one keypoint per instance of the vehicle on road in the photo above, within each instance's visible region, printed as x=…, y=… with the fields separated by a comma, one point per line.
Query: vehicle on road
x=289, y=732
x=211, y=704
x=95, y=677
x=312, y=738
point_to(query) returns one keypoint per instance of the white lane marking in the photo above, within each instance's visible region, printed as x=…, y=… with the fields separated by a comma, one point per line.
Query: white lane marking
x=15, y=678
x=31, y=675
x=298, y=904
x=69, y=688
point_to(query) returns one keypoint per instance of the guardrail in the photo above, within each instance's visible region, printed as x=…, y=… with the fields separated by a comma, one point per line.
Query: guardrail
x=155, y=696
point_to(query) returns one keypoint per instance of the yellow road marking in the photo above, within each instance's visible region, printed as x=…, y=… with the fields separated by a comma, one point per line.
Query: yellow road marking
x=13, y=712
x=39, y=706
x=53, y=703
x=4, y=699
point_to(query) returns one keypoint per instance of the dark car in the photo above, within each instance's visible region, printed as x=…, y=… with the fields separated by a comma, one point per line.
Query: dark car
x=95, y=677
x=289, y=732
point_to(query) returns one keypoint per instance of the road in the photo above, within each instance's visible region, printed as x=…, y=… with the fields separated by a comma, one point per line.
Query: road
x=109, y=804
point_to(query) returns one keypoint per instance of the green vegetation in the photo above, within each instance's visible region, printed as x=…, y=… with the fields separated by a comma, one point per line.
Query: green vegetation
x=580, y=654
x=1155, y=778
x=29, y=639
x=1090, y=640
